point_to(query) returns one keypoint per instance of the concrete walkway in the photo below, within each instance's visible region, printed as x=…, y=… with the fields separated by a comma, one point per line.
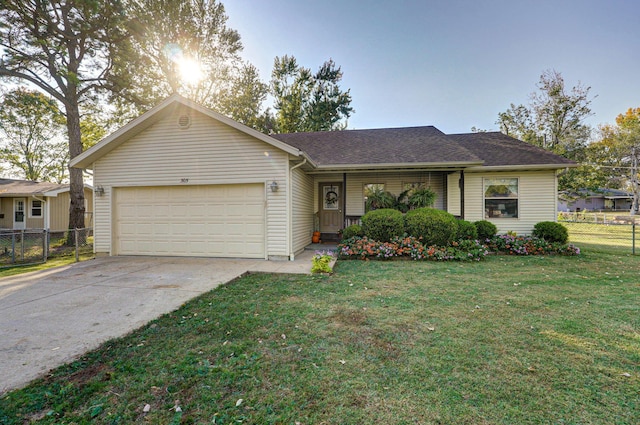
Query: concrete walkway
x=51, y=317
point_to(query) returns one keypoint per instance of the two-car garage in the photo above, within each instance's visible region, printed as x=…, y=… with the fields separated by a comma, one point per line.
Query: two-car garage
x=202, y=220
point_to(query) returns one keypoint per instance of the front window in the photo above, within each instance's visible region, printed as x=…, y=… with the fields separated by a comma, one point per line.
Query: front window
x=36, y=208
x=501, y=198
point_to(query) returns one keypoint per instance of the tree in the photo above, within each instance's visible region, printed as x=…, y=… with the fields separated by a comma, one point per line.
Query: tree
x=31, y=135
x=620, y=151
x=65, y=48
x=179, y=47
x=554, y=120
x=308, y=102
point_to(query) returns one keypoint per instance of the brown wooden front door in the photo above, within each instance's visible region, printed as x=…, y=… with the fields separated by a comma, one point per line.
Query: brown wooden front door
x=331, y=206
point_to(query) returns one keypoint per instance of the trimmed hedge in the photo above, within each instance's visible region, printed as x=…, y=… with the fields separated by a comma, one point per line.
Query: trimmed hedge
x=383, y=225
x=466, y=230
x=432, y=226
x=351, y=231
x=551, y=231
x=486, y=229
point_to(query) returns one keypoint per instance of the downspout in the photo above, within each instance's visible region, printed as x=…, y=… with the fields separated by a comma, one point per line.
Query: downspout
x=290, y=196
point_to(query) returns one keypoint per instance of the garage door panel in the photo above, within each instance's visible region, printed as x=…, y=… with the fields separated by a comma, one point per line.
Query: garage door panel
x=216, y=221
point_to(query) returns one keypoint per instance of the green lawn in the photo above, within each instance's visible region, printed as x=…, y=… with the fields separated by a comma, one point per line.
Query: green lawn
x=509, y=340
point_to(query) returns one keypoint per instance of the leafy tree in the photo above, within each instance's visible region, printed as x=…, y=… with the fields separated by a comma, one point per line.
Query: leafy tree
x=179, y=47
x=31, y=135
x=620, y=151
x=65, y=48
x=308, y=102
x=554, y=120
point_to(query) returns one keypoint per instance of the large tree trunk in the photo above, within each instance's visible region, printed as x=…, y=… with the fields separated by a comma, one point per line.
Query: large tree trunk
x=76, y=208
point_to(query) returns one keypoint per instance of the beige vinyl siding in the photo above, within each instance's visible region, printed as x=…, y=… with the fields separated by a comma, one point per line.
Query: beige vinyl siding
x=33, y=222
x=394, y=183
x=59, y=210
x=6, y=209
x=453, y=193
x=536, y=199
x=301, y=209
x=206, y=153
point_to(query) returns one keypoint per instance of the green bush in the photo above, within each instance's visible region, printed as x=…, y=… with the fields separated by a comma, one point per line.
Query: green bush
x=486, y=229
x=551, y=231
x=432, y=226
x=383, y=225
x=351, y=231
x=466, y=230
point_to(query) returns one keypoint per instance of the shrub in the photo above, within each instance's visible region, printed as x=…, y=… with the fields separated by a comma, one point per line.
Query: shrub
x=466, y=230
x=383, y=225
x=486, y=229
x=551, y=231
x=321, y=262
x=432, y=226
x=351, y=231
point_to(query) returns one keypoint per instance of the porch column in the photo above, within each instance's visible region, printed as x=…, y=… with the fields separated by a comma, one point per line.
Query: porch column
x=344, y=200
x=461, y=183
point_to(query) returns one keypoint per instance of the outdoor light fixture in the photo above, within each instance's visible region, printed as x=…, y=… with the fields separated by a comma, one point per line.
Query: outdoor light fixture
x=99, y=191
x=274, y=186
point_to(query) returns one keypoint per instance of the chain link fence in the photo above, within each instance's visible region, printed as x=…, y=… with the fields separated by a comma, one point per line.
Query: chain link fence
x=19, y=247
x=606, y=230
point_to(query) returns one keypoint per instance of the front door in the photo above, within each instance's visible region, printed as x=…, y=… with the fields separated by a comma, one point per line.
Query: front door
x=331, y=206
x=19, y=206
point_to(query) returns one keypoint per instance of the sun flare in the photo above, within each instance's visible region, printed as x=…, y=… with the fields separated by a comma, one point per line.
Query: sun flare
x=190, y=71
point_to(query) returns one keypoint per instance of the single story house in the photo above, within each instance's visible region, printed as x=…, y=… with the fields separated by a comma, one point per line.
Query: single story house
x=595, y=200
x=183, y=180
x=28, y=204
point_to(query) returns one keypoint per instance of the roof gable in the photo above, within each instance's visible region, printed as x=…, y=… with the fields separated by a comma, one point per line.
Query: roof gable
x=165, y=109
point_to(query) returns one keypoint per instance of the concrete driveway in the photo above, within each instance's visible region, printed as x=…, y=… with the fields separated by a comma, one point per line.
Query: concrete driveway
x=51, y=317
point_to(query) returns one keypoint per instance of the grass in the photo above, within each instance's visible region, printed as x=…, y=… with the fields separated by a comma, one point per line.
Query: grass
x=526, y=340
x=615, y=237
x=61, y=260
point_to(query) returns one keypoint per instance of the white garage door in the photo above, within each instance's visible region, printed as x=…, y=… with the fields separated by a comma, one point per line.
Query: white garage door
x=208, y=221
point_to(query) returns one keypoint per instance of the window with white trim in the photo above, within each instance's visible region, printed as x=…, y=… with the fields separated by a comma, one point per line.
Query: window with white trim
x=501, y=198
x=36, y=208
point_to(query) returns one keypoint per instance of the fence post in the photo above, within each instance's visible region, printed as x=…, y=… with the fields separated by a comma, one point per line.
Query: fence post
x=45, y=248
x=77, y=245
x=13, y=247
x=22, y=245
x=633, y=237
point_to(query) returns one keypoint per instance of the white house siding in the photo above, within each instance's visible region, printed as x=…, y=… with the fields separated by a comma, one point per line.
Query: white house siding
x=536, y=199
x=301, y=209
x=206, y=153
x=394, y=183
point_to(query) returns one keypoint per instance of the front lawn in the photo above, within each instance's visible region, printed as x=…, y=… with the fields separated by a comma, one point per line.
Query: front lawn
x=509, y=340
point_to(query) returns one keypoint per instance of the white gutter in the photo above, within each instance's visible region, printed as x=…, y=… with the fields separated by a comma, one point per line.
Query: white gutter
x=290, y=207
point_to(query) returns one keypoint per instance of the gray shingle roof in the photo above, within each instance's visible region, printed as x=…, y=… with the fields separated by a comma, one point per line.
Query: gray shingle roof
x=11, y=187
x=417, y=145
x=410, y=145
x=499, y=149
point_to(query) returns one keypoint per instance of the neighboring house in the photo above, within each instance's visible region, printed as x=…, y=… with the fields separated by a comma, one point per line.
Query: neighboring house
x=27, y=204
x=183, y=180
x=595, y=200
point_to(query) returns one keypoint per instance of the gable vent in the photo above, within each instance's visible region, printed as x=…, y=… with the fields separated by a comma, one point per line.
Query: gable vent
x=184, y=122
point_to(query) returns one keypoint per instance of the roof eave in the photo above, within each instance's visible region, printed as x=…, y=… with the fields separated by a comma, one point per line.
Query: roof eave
x=396, y=166
x=522, y=167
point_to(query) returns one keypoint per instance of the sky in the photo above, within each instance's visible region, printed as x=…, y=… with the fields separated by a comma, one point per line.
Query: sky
x=454, y=64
